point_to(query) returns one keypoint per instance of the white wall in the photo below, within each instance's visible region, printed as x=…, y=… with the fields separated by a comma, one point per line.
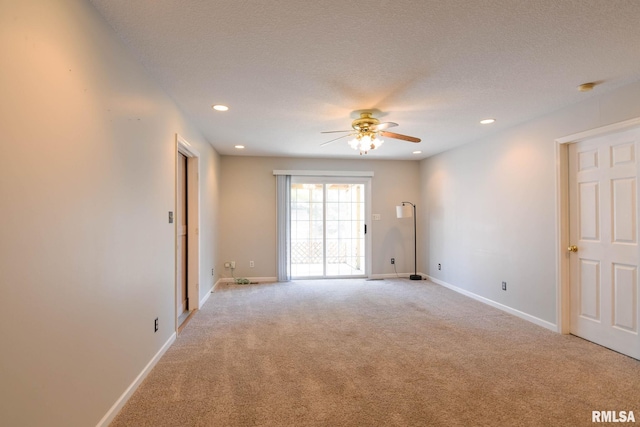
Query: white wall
x=248, y=210
x=491, y=206
x=87, y=172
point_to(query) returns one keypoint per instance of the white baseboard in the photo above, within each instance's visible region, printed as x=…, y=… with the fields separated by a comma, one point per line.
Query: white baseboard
x=215, y=285
x=111, y=414
x=252, y=279
x=548, y=325
x=389, y=276
x=206, y=296
x=275, y=279
x=394, y=276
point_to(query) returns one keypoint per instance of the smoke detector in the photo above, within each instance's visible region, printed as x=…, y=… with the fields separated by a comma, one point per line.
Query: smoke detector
x=586, y=87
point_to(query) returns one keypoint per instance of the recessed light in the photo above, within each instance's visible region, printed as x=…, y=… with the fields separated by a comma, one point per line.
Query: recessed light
x=220, y=107
x=487, y=121
x=240, y=147
x=417, y=152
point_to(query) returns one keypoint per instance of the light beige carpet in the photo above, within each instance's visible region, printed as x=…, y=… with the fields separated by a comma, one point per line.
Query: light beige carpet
x=375, y=353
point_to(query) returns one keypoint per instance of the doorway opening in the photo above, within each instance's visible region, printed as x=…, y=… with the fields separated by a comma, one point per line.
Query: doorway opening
x=182, y=238
x=187, y=225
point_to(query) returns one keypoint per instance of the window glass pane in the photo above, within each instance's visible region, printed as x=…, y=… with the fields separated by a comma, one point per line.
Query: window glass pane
x=332, y=229
x=302, y=230
x=316, y=211
x=333, y=193
x=317, y=229
x=317, y=194
x=333, y=211
x=345, y=193
x=345, y=211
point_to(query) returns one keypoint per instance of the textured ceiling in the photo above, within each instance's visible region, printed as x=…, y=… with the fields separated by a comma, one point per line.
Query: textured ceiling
x=291, y=69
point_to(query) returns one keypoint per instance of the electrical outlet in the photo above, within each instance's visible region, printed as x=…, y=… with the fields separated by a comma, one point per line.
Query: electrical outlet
x=233, y=264
x=439, y=266
x=227, y=265
x=155, y=325
x=393, y=260
x=504, y=286
x=252, y=264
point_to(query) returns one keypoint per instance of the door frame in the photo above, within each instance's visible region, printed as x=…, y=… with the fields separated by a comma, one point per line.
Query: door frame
x=563, y=292
x=355, y=178
x=193, y=225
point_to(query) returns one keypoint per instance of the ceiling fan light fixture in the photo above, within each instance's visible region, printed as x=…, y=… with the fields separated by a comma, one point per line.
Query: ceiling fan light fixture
x=367, y=129
x=365, y=142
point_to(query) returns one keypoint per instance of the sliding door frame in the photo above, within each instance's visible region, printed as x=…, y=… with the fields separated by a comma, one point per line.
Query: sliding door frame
x=324, y=181
x=363, y=176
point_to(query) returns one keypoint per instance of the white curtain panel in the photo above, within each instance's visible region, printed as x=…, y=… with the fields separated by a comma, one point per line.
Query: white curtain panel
x=283, y=206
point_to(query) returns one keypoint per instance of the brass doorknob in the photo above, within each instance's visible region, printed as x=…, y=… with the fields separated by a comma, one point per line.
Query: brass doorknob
x=572, y=248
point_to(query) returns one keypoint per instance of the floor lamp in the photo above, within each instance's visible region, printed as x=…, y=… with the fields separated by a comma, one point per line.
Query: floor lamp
x=405, y=211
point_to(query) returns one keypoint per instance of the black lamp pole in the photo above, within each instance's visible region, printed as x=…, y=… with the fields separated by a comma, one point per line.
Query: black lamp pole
x=414, y=276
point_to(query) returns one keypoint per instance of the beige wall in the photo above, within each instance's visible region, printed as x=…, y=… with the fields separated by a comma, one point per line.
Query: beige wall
x=248, y=210
x=87, y=172
x=491, y=206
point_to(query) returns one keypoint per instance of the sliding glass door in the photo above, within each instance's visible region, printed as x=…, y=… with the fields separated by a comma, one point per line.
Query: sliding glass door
x=328, y=228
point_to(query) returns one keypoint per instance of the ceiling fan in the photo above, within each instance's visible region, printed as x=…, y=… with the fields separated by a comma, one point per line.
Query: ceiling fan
x=366, y=131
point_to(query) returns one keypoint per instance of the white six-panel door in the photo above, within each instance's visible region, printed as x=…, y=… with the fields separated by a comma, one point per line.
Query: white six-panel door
x=603, y=210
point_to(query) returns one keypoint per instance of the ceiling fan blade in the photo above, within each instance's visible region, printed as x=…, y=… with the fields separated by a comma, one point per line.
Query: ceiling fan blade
x=336, y=131
x=335, y=139
x=399, y=136
x=383, y=126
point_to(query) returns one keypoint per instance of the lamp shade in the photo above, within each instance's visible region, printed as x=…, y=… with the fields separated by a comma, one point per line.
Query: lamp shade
x=405, y=211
